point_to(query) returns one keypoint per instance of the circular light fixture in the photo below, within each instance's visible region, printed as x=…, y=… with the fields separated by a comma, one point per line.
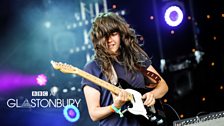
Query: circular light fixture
x=71, y=113
x=173, y=16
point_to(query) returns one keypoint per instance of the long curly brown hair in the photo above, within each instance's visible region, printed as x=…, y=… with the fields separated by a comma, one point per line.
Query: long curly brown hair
x=130, y=53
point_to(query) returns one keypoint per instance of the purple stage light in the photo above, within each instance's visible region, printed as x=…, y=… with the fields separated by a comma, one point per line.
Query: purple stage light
x=173, y=16
x=71, y=113
x=41, y=80
x=13, y=81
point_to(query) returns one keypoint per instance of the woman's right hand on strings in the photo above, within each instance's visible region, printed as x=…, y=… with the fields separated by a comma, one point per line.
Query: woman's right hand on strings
x=120, y=99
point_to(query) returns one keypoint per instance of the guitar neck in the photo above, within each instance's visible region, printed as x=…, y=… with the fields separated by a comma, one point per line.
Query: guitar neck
x=66, y=68
x=98, y=81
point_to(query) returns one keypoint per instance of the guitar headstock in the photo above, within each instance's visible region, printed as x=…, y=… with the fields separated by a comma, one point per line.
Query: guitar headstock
x=63, y=67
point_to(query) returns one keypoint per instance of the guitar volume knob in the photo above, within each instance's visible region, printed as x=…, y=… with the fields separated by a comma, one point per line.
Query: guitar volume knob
x=153, y=118
x=160, y=122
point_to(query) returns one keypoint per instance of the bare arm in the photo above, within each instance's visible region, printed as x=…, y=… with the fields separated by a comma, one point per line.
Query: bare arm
x=97, y=112
x=158, y=92
x=92, y=97
x=161, y=89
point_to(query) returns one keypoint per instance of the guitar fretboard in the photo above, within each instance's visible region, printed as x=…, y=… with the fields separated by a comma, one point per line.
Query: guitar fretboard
x=66, y=68
x=100, y=82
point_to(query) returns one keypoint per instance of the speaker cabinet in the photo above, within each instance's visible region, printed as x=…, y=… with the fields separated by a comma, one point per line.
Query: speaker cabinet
x=212, y=119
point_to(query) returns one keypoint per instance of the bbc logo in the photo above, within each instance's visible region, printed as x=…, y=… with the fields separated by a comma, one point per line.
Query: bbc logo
x=39, y=93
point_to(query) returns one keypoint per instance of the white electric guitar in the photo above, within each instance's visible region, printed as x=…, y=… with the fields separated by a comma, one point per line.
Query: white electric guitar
x=134, y=96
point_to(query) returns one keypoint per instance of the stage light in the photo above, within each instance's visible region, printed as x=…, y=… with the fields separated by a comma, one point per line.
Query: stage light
x=173, y=12
x=189, y=18
x=74, y=25
x=172, y=32
x=80, y=23
x=41, y=80
x=54, y=90
x=71, y=113
x=77, y=49
x=203, y=99
x=208, y=16
x=47, y=24
x=68, y=27
x=221, y=87
x=71, y=51
x=181, y=115
x=123, y=12
x=83, y=48
x=79, y=90
x=65, y=90
x=16, y=80
x=86, y=22
x=114, y=6
x=72, y=88
x=213, y=64
x=173, y=16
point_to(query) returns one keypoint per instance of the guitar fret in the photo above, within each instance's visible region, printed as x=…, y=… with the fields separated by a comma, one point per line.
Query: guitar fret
x=104, y=84
x=66, y=68
x=98, y=81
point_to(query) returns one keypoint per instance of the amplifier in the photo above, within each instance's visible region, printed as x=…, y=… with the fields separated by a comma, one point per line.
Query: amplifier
x=212, y=119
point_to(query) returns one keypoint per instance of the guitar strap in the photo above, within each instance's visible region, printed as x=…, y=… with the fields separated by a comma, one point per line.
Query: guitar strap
x=152, y=79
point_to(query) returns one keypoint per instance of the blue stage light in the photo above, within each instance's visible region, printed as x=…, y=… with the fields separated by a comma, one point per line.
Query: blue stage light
x=71, y=113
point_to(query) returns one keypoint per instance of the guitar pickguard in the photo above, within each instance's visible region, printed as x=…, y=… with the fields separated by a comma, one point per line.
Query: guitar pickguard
x=148, y=116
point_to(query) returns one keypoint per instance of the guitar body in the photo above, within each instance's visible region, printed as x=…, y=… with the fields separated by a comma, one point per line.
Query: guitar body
x=147, y=116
